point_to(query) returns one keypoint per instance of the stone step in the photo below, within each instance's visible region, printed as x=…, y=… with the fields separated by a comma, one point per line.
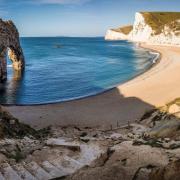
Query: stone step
x=9, y=173
x=67, y=164
x=89, y=153
x=73, y=163
x=37, y=171
x=58, y=163
x=64, y=143
x=52, y=170
x=1, y=177
x=23, y=173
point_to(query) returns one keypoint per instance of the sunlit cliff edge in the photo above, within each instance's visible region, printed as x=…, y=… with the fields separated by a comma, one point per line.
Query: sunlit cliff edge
x=159, y=28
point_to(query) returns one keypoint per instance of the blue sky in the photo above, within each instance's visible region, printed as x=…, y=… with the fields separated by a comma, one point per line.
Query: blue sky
x=76, y=17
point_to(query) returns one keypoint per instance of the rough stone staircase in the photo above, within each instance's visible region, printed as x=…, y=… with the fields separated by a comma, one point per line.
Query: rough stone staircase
x=50, y=169
x=40, y=171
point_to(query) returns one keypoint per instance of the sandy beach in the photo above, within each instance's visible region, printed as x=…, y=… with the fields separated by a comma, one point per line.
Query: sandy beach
x=126, y=103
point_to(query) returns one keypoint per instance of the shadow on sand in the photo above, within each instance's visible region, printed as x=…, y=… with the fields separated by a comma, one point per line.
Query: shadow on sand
x=107, y=110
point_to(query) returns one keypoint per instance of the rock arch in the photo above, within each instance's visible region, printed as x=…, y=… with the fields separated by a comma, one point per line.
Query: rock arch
x=9, y=42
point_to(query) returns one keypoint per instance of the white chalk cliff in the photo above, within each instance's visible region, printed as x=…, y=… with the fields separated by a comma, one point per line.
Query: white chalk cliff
x=114, y=35
x=152, y=28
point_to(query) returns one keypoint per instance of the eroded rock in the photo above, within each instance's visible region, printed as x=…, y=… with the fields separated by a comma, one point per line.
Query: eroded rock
x=169, y=172
x=173, y=109
x=9, y=40
x=10, y=127
x=167, y=128
x=112, y=172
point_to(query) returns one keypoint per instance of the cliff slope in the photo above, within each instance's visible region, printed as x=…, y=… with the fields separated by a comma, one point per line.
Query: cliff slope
x=150, y=27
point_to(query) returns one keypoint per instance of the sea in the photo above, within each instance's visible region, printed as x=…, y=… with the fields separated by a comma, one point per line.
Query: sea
x=60, y=69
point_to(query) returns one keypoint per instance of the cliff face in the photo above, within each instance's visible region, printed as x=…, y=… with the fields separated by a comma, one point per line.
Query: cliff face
x=9, y=41
x=154, y=28
x=141, y=30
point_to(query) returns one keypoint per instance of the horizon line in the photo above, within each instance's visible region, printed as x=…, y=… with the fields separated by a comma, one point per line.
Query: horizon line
x=61, y=36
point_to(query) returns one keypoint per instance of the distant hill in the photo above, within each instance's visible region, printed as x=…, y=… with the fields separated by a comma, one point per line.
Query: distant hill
x=151, y=27
x=158, y=20
x=125, y=29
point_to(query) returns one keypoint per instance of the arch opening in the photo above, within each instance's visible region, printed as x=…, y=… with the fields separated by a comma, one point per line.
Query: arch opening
x=16, y=58
x=10, y=45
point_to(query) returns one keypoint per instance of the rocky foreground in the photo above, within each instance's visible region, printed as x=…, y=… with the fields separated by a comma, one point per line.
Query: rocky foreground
x=146, y=149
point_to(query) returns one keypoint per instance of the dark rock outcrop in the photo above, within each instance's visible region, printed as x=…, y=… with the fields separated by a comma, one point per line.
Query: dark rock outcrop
x=10, y=127
x=9, y=41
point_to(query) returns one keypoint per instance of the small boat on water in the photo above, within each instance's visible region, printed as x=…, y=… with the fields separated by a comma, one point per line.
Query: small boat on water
x=58, y=46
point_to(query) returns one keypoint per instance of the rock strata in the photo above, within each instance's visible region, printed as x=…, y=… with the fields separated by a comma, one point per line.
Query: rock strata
x=9, y=41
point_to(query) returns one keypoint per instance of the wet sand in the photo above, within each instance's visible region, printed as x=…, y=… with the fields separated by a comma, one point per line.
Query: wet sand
x=126, y=103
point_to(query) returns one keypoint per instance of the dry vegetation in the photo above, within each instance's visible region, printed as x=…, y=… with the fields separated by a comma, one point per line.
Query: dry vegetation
x=125, y=29
x=157, y=20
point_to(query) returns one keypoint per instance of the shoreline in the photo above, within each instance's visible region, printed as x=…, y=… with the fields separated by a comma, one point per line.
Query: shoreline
x=123, y=104
x=155, y=61
x=158, y=64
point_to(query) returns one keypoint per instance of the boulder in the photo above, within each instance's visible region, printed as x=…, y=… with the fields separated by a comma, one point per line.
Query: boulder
x=169, y=172
x=174, y=109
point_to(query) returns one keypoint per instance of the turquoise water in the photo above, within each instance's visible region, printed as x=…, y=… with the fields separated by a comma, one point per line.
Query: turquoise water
x=60, y=69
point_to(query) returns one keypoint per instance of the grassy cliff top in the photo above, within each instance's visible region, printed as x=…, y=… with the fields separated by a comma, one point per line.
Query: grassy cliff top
x=157, y=20
x=125, y=29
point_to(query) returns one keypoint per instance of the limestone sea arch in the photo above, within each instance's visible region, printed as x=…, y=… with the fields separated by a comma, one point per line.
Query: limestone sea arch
x=10, y=44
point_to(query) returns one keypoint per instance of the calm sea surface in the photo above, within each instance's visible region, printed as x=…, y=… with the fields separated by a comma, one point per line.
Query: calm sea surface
x=60, y=69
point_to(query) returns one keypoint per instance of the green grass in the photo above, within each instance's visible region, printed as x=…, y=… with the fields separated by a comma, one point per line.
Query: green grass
x=125, y=29
x=157, y=20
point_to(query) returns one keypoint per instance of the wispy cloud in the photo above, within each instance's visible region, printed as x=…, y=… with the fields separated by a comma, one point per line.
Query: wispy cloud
x=66, y=2
x=61, y=1
x=5, y=5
